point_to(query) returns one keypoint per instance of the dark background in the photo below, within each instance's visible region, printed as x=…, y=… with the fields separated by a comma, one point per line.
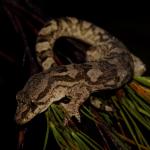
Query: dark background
x=129, y=23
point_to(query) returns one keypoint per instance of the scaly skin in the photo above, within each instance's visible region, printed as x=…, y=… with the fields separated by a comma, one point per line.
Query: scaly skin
x=109, y=66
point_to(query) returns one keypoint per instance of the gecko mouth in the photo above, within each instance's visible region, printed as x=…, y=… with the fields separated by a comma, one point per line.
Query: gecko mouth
x=19, y=119
x=27, y=113
x=23, y=115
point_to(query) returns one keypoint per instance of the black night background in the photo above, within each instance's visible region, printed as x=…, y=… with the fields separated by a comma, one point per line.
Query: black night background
x=18, y=29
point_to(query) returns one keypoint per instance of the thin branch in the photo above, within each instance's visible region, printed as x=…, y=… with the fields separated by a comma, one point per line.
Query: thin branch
x=27, y=48
x=131, y=141
x=6, y=57
x=21, y=10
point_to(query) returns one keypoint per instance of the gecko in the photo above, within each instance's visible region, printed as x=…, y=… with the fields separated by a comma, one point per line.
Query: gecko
x=109, y=65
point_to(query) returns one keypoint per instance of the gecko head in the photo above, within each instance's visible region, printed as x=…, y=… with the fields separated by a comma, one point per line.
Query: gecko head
x=28, y=99
x=24, y=111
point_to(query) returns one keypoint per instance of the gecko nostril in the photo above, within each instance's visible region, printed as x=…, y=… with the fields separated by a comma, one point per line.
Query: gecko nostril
x=19, y=95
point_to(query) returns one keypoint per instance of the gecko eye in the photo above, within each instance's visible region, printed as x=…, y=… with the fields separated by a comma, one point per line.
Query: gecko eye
x=32, y=103
x=33, y=106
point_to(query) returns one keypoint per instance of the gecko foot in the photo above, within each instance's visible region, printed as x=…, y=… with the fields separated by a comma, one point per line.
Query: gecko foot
x=72, y=111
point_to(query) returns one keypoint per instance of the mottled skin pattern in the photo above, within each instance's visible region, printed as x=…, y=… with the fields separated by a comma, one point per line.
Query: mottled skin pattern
x=109, y=66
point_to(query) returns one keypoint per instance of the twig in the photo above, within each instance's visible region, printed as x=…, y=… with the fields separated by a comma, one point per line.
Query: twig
x=22, y=10
x=6, y=57
x=101, y=125
x=11, y=17
x=18, y=28
x=33, y=67
x=131, y=141
x=34, y=30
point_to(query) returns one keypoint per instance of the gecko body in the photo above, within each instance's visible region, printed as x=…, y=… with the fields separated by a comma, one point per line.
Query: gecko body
x=109, y=66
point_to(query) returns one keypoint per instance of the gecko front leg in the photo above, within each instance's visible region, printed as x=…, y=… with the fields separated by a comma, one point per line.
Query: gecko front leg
x=78, y=95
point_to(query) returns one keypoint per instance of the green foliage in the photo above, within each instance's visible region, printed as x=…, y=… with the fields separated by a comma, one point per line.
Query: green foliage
x=124, y=127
